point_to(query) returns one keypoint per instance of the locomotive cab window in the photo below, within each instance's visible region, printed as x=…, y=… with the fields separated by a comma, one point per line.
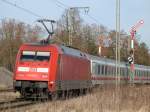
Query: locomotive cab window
x=42, y=56
x=27, y=56
x=35, y=56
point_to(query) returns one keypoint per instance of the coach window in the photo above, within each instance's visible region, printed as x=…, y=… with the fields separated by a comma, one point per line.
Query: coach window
x=102, y=69
x=125, y=71
x=138, y=73
x=106, y=70
x=122, y=71
x=114, y=70
x=144, y=73
x=94, y=68
x=135, y=73
x=108, y=67
x=99, y=69
x=110, y=70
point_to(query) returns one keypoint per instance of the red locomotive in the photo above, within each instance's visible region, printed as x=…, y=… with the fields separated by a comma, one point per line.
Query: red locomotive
x=49, y=70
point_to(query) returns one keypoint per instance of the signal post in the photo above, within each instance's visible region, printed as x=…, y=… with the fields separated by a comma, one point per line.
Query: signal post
x=131, y=57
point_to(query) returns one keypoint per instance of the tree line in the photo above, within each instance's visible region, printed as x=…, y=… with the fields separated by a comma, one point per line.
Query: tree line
x=12, y=34
x=71, y=30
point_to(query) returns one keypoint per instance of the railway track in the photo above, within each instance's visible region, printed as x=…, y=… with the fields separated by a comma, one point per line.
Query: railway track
x=17, y=103
x=7, y=90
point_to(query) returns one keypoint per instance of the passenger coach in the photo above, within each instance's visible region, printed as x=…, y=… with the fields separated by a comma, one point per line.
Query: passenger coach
x=103, y=71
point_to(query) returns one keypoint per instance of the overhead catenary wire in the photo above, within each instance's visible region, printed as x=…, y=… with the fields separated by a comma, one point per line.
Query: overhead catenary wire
x=93, y=18
x=21, y=8
x=58, y=3
x=64, y=5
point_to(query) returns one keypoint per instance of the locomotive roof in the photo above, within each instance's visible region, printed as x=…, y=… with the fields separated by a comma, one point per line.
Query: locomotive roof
x=72, y=51
x=64, y=49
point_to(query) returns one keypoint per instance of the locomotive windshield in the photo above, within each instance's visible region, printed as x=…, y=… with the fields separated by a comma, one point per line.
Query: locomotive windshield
x=41, y=56
x=35, y=56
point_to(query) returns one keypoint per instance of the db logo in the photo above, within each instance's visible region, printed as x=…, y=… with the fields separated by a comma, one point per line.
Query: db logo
x=33, y=70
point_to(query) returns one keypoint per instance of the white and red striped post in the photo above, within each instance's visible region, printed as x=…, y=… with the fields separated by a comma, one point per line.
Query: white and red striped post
x=132, y=55
x=132, y=33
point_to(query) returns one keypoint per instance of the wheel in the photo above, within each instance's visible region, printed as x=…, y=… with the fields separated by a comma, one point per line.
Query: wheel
x=54, y=96
x=63, y=95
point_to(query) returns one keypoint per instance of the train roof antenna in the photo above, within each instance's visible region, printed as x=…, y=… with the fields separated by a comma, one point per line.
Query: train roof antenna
x=50, y=33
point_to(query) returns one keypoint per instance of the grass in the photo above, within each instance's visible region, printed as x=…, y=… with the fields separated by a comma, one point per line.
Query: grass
x=7, y=96
x=102, y=99
x=2, y=87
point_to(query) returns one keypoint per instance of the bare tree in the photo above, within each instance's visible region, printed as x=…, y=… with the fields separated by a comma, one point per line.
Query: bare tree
x=12, y=35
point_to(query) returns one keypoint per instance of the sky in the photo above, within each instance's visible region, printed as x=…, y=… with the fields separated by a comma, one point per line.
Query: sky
x=103, y=12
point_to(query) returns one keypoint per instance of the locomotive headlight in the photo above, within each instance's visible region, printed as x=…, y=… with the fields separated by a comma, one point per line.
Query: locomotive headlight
x=51, y=84
x=43, y=70
x=23, y=69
